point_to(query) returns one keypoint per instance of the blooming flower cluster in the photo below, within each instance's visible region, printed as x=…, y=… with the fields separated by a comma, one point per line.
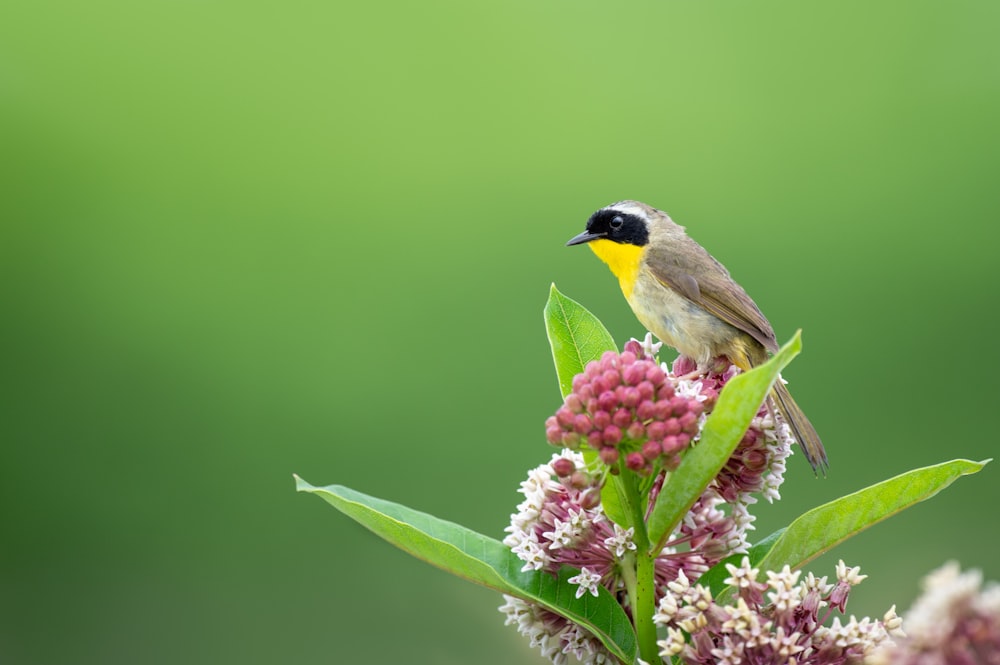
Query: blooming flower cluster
x=640, y=416
x=553, y=635
x=771, y=623
x=560, y=520
x=954, y=621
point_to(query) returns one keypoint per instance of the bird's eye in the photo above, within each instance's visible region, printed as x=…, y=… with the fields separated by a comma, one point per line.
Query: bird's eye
x=616, y=223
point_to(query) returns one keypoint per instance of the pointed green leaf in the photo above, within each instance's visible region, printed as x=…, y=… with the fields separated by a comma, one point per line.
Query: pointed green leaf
x=485, y=561
x=738, y=404
x=613, y=503
x=821, y=528
x=575, y=335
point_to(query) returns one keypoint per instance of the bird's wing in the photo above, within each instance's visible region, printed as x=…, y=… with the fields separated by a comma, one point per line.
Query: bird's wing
x=712, y=290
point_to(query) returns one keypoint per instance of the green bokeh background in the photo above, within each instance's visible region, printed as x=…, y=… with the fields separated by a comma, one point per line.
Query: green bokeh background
x=241, y=240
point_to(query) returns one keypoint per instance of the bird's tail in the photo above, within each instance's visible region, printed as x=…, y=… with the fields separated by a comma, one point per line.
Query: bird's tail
x=802, y=429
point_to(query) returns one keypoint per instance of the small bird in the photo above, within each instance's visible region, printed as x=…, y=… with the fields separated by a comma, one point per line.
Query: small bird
x=681, y=294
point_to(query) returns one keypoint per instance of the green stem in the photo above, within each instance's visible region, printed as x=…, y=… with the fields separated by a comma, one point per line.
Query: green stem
x=638, y=569
x=629, y=492
x=645, y=606
x=628, y=573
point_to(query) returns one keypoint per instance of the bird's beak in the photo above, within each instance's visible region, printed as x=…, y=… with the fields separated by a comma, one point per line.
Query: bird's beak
x=586, y=236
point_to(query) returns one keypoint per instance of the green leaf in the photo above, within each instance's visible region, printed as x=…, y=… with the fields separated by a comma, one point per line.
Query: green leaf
x=821, y=528
x=738, y=404
x=613, y=503
x=483, y=560
x=575, y=335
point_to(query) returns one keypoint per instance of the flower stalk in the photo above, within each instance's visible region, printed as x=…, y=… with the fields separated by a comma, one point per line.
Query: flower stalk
x=645, y=606
x=638, y=569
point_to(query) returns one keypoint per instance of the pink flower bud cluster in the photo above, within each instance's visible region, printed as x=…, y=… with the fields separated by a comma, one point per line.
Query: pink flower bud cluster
x=625, y=407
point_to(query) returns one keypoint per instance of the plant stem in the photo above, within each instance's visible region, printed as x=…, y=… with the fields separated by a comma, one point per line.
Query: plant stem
x=639, y=570
x=645, y=606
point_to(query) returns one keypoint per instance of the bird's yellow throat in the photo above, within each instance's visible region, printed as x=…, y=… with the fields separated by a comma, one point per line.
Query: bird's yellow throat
x=623, y=259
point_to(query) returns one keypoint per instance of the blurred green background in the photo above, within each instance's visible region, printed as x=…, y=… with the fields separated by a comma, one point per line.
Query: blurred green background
x=241, y=240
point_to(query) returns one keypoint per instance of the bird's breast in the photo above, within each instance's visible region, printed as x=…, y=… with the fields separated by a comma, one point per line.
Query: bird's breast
x=678, y=322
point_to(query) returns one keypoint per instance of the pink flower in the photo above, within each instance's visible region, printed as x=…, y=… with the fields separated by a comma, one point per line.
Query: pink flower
x=775, y=622
x=954, y=621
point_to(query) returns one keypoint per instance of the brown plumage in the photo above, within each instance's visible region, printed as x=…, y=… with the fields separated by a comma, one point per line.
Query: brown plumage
x=688, y=299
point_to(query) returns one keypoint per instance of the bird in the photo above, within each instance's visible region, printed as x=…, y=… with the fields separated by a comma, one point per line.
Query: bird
x=687, y=298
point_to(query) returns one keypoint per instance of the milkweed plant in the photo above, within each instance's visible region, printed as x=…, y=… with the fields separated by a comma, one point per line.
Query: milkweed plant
x=632, y=543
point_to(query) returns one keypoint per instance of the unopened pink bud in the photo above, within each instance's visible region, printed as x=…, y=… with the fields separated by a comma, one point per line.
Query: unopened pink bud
x=684, y=439
x=622, y=418
x=655, y=375
x=564, y=417
x=636, y=431
x=607, y=401
x=646, y=390
x=689, y=422
x=573, y=403
x=645, y=410
x=612, y=378
x=673, y=426
x=678, y=405
x=651, y=450
x=609, y=455
x=554, y=435
x=633, y=375
x=594, y=439
x=582, y=423
x=602, y=419
x=656, y=429
x=665, y=391
x=671, y=444
x=695, y=407
x=630, y=396
x=612, y=435
x=633, y=347
x=635, y=461
x=684, y=365
x=629, y=357
x=563, y=467
x=662, y=410
x=571, y=440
